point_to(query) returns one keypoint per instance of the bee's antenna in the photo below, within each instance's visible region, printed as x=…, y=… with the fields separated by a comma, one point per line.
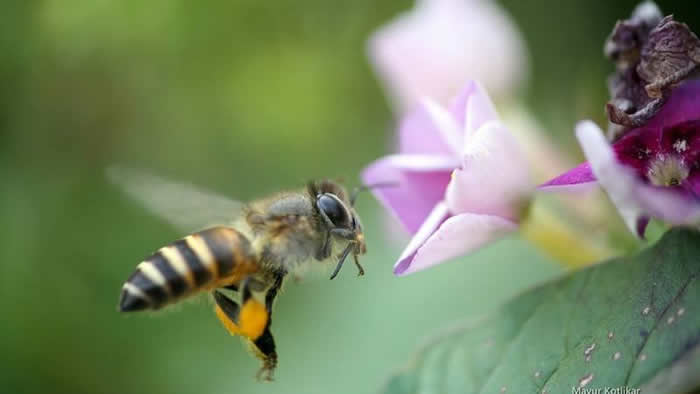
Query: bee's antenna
x=363, y=188
x=342, y=258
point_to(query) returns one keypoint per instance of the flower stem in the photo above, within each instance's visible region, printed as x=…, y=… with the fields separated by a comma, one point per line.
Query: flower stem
x=560, y=240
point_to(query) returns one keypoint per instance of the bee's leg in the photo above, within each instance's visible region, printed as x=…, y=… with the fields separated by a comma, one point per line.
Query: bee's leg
x=264, y=348
x=265, y=344
x=341, y=259
x=325, y=251
x=349, y=235
x=360, y=270
x=227, y=311
x=250, y=320
x=272, y=292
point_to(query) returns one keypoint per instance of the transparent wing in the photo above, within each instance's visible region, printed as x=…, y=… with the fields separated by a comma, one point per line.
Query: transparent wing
x=186, y=207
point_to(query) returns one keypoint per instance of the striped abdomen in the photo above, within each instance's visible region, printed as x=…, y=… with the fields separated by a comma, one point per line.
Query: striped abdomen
x=215, y=257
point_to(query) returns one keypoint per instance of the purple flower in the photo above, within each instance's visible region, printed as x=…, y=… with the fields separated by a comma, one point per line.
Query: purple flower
x=463, y=180
x=653, y=170
x=435, y=48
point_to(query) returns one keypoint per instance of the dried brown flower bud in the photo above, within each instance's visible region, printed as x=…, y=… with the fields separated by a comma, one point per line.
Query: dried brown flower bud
x=670, y=55
x=652, y=55
x=624, y=44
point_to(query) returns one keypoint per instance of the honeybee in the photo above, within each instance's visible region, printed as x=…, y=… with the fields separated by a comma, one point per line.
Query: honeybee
x=246, y=250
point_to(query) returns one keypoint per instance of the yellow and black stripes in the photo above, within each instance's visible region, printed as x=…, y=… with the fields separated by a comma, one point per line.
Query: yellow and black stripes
x=201, y=270
x=208, y=259
x=175, y=282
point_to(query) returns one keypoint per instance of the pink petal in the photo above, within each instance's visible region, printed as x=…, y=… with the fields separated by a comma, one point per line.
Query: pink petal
x=421, y=182
x=634, y=149
x=642, y=223
x=437, y=216
x=668, y=204
x=633, y=198
x=687, y=134
x=494, y=178
x=420, y=134
x=480, y=110
x=434, y=49
x=458, y=105
x=692, y=184
x=445, y=125
x=472, y=108
x=443, y=237
x=577, y=179
x=680, y=107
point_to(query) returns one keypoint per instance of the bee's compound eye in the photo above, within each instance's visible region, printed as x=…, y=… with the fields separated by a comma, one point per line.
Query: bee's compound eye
x=334, y=209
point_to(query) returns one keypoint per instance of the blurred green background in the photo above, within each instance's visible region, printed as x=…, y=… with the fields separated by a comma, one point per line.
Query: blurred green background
x=245, y=98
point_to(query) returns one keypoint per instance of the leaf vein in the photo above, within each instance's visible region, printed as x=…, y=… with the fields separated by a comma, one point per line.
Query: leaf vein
x=659, y=318
x=567, y=330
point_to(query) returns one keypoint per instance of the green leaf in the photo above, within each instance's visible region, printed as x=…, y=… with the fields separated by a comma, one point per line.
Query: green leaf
x=631, y=322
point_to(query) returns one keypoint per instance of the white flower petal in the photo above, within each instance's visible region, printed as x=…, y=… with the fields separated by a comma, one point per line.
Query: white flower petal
x=494, y=178
x=618, y=181
x=445, y=239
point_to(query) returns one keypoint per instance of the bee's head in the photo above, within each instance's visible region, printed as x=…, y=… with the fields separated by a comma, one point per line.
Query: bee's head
x=337, y=212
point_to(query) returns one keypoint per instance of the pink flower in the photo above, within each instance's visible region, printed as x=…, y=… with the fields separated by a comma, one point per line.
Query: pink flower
x=463, y=180
x=653, y=170
x=434, y=49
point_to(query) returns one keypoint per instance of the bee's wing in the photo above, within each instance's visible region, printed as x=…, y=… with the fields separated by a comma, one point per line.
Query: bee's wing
x=186, y=207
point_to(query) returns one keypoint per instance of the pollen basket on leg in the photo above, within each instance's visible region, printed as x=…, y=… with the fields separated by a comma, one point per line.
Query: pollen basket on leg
x=253, y=319
x=249, y=320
